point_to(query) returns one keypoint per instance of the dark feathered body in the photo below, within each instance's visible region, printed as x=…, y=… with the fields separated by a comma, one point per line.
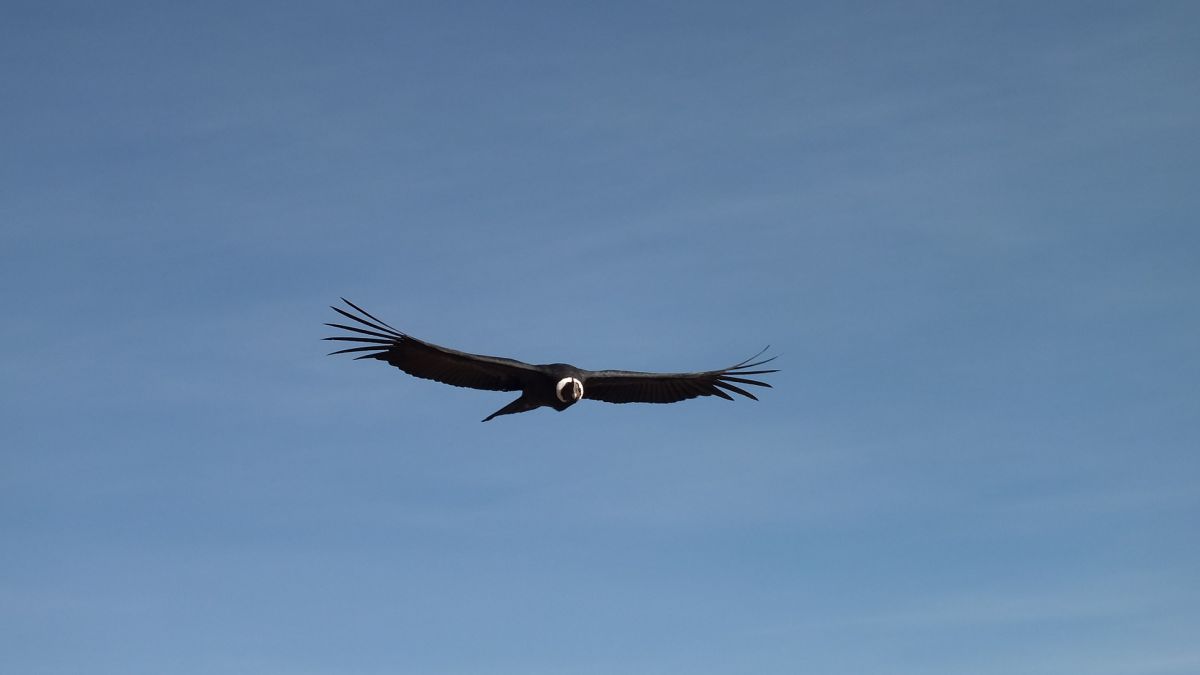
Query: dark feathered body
x=555, y=385
x=538, y=389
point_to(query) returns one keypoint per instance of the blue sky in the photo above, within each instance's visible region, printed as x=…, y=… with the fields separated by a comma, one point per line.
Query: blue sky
x=969, y=229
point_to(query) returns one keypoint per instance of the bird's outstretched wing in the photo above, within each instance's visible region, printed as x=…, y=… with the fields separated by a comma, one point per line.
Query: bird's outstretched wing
x=625, y=386
x=426, y=360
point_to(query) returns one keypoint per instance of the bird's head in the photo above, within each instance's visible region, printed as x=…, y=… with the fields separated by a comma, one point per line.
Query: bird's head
x=569, y=390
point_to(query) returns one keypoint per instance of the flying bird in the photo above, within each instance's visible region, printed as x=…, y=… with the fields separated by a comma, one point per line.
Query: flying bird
x=555, y=385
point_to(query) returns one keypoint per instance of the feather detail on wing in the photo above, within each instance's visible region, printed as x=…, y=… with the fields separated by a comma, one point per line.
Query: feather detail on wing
x=625, y=386
x=425, y=360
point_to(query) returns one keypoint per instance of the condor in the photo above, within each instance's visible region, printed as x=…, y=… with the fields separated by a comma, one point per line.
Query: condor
x=555, y=385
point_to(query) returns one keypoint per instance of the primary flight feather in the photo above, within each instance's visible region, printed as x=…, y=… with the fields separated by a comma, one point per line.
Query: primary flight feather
x=556, y=385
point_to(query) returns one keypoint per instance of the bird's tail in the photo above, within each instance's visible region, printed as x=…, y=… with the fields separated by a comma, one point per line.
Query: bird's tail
x=520, y=405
